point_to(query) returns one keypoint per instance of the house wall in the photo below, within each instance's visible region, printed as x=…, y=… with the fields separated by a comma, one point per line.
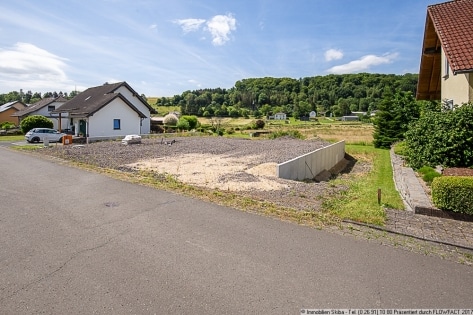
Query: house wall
x=280, y=116
x=65, y=121
x=146, y=124
x=6, y=116
x=101, y=123
x=455, y=87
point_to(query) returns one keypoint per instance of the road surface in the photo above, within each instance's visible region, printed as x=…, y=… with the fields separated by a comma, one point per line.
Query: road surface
x=77, y=242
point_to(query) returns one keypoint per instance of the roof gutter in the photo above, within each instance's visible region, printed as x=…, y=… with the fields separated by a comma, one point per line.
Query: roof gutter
x=462, y=71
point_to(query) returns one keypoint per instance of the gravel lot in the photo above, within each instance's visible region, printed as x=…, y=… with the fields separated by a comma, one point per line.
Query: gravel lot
x=242, y=164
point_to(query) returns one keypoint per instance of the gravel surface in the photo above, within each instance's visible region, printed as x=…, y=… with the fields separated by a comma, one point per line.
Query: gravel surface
x=305, y=195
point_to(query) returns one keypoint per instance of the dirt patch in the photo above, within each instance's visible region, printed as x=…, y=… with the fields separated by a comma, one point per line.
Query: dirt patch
x=216, y=171
x=247, y=167
x=457, y=171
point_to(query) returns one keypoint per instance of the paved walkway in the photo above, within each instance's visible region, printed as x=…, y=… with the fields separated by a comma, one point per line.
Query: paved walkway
x=442, y=230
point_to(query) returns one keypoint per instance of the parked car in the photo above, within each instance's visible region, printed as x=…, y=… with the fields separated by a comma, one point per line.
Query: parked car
x=39, y=134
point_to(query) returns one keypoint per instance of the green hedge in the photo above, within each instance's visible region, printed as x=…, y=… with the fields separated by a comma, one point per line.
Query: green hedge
x=453, y=193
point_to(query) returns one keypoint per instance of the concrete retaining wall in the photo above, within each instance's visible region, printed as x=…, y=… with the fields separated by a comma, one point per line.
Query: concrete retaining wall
x=311, y=164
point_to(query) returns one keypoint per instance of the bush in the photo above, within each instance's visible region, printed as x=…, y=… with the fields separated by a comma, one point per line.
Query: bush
x=259, y=124
x=157, y=128
x=35, y=121
x=193, y=121
x=428, y=174
x=292, y=134
x=170, y=120
x=400, y=148
x=7, y=125
x=183, y=124
x=441, y=138
x=453, y=193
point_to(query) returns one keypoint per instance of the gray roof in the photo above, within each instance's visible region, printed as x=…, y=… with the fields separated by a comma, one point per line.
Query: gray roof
x=38, y=105
x=9, y=105
x=93, y=99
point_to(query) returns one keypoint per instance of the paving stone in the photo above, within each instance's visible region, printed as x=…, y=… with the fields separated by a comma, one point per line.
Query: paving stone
x=443, y=230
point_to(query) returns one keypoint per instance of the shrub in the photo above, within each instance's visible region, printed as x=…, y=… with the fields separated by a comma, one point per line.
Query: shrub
x=428, y=174
x=7, y=125
x=292, y=134
x=400, y=148
x=441, y=138
x=170, y=120
x=259, y=124
x=193, y=121
x=157, y=129
x=35, y=121
x=453, y=193
x=183, y=124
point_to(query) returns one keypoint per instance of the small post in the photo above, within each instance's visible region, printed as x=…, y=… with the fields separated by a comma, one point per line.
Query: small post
x=379, y=196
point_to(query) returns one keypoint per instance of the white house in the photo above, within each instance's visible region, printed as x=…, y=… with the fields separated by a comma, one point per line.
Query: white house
x=278, y=116
x=446, y=69
x=108, y=111
x=46, y=108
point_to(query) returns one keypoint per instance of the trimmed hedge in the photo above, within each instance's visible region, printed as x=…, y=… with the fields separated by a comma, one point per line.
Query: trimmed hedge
x=453, y=193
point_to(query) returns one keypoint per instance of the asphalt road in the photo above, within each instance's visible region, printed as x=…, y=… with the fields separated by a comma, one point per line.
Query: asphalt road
x=73, y=242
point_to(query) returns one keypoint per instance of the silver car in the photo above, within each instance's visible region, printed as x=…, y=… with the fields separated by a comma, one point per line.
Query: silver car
x=39, y=134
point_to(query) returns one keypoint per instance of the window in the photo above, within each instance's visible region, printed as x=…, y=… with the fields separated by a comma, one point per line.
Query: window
x=51, y=108
x=116, y=124
x=447, y=69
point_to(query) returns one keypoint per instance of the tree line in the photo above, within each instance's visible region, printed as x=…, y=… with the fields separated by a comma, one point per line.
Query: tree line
x=336, y=94
x=30, y=98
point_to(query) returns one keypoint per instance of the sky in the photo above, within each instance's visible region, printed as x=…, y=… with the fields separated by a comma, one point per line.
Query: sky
x=165, y=47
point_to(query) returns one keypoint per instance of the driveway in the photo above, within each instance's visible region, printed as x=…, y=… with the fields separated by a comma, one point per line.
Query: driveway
x=74, y=241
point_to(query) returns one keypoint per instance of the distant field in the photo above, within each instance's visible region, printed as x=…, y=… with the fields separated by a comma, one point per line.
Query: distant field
x=164, y=110
x=151, y=100
x=332, y=131
x=227, y=122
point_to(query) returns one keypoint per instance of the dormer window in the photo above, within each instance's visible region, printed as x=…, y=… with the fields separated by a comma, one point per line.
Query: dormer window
x=51, y=108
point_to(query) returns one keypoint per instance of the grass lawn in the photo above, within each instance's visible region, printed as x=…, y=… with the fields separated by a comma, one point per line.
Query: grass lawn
x=164, y=110
x=360, y=201
x=12, y=138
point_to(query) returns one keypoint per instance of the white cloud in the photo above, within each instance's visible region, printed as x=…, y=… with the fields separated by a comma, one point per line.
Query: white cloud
x=363, y=64
x=333, y=54
x=190, y=25
x=27, y=59
x=26, y=65
x=219, y=27
x=195, y=82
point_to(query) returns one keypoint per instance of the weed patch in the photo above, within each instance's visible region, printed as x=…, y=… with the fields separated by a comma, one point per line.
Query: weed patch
x=359, y=202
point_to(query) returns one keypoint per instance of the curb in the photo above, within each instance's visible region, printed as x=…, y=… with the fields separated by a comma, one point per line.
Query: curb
x=383, y=229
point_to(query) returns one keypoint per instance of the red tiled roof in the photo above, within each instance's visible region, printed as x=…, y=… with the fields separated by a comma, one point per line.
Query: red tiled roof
x=453, y=25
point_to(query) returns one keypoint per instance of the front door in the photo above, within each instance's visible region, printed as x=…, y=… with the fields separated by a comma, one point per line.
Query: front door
x=82, y=127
